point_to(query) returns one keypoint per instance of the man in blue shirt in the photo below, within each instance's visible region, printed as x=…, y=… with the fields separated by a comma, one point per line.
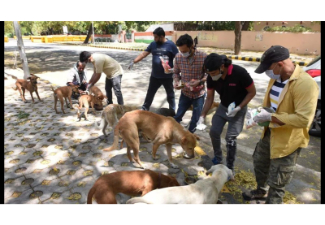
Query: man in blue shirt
x=158, y=48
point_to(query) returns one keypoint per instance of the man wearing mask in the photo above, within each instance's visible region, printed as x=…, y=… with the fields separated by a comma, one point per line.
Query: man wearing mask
x=293, y=94
x=158, y=48
x=77, y=76
x=189, y=69
x=234, y=84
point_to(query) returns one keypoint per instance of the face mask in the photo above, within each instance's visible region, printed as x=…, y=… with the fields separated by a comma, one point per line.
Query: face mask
x=271, y=74
x=217, y=77
x=187, y=54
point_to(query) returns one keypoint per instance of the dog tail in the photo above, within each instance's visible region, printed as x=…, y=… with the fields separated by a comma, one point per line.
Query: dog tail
x=52, y=88
x=137, y=200
x=15, y=88
x=116, y=138
x=90, y=195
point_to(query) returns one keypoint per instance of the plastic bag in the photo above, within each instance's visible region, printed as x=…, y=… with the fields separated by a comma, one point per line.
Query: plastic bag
x=253, y=112
x=164, y=62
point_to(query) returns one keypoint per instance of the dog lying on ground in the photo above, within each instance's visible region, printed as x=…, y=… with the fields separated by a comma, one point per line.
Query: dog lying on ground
x=99, y=96
x=64, y=92
x=30, y=85
x=127, y=182
x=85, y=100
x=204, y=191
x=159, y=129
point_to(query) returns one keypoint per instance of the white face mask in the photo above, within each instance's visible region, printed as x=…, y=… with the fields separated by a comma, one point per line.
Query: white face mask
x=187, y=54
x=217, y=77
x=271, y=74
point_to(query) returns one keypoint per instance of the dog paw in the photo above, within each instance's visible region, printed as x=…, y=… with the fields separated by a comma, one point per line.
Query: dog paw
x=155, y=158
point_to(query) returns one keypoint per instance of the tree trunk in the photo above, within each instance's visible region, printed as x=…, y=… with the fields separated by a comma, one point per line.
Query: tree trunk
x=238, y=27
x=89, y=34
x=21, y=49
x=245, y=25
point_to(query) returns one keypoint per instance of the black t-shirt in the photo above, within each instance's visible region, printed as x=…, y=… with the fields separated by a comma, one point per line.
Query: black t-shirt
x=233, y=87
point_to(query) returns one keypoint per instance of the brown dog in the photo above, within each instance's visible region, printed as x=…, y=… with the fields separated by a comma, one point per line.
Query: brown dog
x=157, y=128
x=129, y=183
x=112, y=113
x=99, y=97
x=30, y=85
x=86, y=100
x=64, y=92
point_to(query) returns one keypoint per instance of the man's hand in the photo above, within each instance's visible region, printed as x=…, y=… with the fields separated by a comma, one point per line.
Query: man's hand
x=131, y=65
x=263, y=116
x=194, y=83
x=233, y=112
x=200, y=124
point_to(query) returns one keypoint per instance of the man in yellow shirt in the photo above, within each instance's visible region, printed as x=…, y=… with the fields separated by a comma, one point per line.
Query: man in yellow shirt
x=113, y=70
x=292, y=94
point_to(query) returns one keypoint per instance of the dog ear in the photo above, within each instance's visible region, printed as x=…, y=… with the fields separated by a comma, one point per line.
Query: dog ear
x=28, y=78
x=184, y=140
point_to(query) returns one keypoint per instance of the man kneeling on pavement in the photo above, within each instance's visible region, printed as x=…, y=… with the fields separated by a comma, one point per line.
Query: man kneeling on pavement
x=77, y=76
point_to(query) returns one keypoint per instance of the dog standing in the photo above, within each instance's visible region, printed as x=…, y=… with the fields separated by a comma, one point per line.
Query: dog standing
x=99, y=96
x=30, y=85
x=159, y=129
x=64, y=92
x=86, y=100
x=127, y=182
x=111, y=115
x=204, y=191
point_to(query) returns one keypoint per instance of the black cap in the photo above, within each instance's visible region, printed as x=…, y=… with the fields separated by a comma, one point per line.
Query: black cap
x=274, y=54
x=213, y=61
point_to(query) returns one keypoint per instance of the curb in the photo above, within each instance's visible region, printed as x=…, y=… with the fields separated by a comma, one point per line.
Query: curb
x=243, y=58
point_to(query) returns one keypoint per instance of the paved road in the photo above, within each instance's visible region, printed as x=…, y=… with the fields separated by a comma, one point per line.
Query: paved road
x=51, y=62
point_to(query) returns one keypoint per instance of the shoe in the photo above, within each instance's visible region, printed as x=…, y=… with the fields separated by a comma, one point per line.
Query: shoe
x=257, y=194
x=215, y=161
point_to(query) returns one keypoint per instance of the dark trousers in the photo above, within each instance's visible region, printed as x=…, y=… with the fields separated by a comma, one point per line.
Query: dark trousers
x=235, y=127
x=273, y=174
x=114, y=83
x=185, y=103
x=154, y=85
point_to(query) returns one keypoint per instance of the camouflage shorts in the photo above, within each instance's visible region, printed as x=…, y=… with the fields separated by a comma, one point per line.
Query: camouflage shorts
x=273, y=174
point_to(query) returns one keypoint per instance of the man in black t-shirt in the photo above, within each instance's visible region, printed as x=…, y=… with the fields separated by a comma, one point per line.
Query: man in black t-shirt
x=233, y=84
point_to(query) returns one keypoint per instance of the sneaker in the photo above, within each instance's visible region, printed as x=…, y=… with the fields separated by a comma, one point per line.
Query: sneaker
x=215, y=161
x=257, y=194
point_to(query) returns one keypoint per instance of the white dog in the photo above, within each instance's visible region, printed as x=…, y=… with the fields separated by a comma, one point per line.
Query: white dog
x=204, y=191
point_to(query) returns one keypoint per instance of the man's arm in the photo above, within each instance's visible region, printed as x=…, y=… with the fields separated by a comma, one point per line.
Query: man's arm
x=250, y=95
x=305, y=98
x=208, y=102
x=141, y=56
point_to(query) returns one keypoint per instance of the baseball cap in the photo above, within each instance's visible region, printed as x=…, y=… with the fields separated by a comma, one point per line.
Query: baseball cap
x=274, y=54
x=213, y=61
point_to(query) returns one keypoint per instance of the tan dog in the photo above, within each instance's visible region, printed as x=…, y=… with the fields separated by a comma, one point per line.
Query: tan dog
x=64, y=92
x=111, y=115
x=127, y=182
x=30, y=85
x=214, y=105
x=159, y=129
x=98, y=95
x=86, y=100
x=204, y=191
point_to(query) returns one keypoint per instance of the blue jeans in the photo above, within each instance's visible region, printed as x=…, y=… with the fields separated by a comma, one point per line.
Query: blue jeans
x=185, y=103
x=154, y=85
